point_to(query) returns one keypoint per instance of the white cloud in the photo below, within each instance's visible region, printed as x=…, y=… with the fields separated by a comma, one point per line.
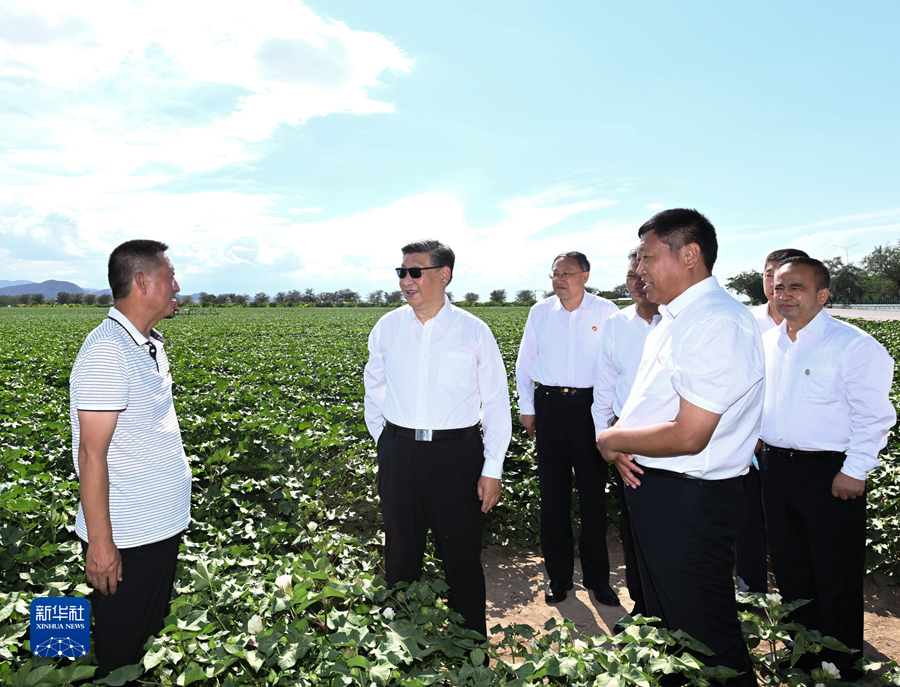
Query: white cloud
x=655, y=206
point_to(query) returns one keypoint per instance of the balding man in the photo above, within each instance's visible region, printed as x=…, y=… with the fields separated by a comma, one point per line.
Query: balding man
x=558, y=352
x=133, y=476
x=827, y=415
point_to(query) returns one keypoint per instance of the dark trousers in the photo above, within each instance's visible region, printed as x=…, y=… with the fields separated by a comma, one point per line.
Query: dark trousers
x=752, y=562
x=632, y=568
x=124, y=621
x=434, y=485
x=564, y=431
x=817, y=545
x=684, y=534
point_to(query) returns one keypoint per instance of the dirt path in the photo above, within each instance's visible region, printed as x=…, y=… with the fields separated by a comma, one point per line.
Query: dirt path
x=516, y=583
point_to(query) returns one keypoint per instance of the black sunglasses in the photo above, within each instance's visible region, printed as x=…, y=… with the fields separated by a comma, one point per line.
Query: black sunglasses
x=415, y=272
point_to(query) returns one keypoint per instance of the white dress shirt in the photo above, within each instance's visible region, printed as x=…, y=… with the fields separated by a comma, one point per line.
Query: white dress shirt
x=707, y=350
x=828, y=391
x=444, y=374
x=559, y=348
x=621, y=347
x=763, y=318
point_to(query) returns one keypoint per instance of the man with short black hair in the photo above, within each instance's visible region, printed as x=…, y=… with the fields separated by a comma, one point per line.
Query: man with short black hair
x=752, y=565
x=827, y=416
x=134, y=479
x=686, y=434
x=558, y=352
x=434, y=370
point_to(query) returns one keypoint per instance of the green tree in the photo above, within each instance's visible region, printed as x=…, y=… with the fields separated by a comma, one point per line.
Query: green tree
x=62, y=297
x=207, y=299
x=90, y=298
x=749, y=283
x=394, y=296
x=186, y=299
x=847, y=284
x=105, y=298
x=240, y=298
x=280, y=297
x=884, y=262
x=472, y=297
x=376, y=297
x=37, y=298
x=449, y=295
x=346, y=295
x=525, y=296
x=261, y=300
x=498, y=296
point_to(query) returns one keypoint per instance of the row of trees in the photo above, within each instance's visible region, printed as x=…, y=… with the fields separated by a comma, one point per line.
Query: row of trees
x=876, y=278
x=62, y=298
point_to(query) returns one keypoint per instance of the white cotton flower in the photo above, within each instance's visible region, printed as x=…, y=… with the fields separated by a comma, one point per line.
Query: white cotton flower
x=255, y=625
x=283, y=582
x=773, y=599
x=831, y=669
x=533, y=645
x=312, y=527
x=820, y=684
x=578, y=646
x=388, y=613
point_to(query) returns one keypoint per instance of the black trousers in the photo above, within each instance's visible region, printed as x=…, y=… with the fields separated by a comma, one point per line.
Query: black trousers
x=124, y=621
x=564, y=432
x=684, y=534
x=434, y=485
x=817, y=545
x=752, y=561
x=632, y=567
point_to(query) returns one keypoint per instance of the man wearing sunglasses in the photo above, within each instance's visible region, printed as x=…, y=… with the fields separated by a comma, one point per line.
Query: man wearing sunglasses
x=559, y=352
x=434, y=371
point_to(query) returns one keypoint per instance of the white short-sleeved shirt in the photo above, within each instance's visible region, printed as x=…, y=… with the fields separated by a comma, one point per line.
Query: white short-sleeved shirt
x=621, y=348
x=444, y=374
x=149, y=477
x=763, y=318
x=707, y=350
x=559, y=348
x=828, y=391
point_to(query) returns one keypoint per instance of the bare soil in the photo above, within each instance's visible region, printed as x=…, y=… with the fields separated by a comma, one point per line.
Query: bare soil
x=516, y=581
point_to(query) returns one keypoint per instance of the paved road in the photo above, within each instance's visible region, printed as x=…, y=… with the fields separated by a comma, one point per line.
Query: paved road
x=879, y=314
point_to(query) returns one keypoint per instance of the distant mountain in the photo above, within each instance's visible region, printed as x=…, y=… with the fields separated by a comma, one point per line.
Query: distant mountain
x=6, y=282
x=49, y=288
x=98, y=292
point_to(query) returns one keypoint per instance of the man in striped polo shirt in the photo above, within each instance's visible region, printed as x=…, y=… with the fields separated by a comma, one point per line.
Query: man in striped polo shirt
x=133, y=475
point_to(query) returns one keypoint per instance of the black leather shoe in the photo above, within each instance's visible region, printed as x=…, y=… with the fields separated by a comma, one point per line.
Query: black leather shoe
x=556, y=592
x=604, y=594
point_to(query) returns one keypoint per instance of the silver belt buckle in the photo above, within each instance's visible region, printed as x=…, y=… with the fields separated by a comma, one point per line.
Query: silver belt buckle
x=423, y=435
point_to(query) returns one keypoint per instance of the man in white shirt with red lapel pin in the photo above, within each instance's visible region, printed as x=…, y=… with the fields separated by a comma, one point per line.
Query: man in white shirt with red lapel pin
x=620, y=357
x=559, y=352
x=434, y=372
x=686, y=435
x=827, y=415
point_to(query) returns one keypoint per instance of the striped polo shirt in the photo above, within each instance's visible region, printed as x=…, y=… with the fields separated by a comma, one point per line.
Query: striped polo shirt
x=119, y=369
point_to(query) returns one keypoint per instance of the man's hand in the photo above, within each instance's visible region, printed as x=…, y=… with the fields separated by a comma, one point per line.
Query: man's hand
x=847, y=487
x=528, y=423
x=103, y=565
x=488, y=492
x=624, y=462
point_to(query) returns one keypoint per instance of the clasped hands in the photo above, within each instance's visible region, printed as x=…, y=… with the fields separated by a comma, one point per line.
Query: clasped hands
x=624, y=462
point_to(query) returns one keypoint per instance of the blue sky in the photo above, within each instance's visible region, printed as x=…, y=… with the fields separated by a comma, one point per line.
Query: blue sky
x=278, y=145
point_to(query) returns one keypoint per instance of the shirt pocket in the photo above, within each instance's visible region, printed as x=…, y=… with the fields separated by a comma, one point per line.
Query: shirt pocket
x=817, y=383
x=455, y=369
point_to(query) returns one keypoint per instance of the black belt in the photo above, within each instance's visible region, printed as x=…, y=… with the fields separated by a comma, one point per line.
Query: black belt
x=796, y=456
x=681, y=475
x=567, y=390
x=432, y=434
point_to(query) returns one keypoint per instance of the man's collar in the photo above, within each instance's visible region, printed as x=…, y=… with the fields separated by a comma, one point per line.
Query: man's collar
x=120, y=318
x=689, y=295
x=817, y=324
x=586, y=303
x=443, y=315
